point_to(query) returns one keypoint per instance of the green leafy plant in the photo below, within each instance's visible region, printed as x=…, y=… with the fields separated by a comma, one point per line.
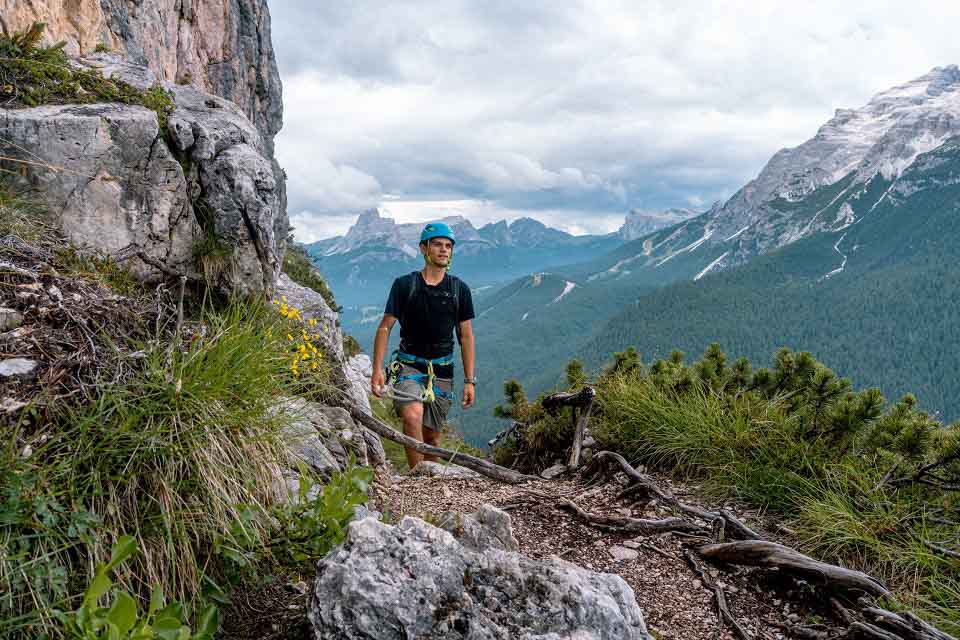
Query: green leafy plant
x=311, y=525
x=122, y=618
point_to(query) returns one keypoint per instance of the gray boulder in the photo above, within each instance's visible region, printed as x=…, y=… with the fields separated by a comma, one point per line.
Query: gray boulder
x=414, y=580
x=330, y=436
x=488, y=528
x=111, y=182
x=359, y=369
x=107, y=179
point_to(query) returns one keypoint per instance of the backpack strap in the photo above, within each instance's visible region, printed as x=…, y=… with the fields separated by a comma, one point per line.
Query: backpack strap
x=414, y=289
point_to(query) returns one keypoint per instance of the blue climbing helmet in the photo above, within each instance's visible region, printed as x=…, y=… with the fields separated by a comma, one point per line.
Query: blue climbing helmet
x=436, y=230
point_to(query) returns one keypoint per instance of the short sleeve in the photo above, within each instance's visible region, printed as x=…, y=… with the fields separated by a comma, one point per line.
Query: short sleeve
x=395, y=299
x=465, y=303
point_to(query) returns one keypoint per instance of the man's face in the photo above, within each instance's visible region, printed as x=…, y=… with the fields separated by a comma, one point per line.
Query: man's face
x=439, y=251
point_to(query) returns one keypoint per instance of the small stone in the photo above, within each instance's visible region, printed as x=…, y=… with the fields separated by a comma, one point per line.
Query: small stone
x=631, y=544
x=17, y=367
x=55, y=294
x=589, y=442
x=10, y=319
x=622, y=553
x=552, y=472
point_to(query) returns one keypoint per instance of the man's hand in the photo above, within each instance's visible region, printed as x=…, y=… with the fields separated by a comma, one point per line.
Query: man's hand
x=469, y=394
x=376, y=382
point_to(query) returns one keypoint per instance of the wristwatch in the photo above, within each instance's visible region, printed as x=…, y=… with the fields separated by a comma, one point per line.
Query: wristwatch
x=472, y=381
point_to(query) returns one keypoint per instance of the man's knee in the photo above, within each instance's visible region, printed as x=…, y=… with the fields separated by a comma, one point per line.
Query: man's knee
x=412, y=412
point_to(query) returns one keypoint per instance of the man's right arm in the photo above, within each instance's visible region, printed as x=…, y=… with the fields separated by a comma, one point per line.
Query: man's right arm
x=380, y=342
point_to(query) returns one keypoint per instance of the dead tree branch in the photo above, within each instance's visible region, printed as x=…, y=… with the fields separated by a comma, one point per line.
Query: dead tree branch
x=645, y=485
x=483, y=467
x=760, y=553
x=719, y=596
x=632, y=525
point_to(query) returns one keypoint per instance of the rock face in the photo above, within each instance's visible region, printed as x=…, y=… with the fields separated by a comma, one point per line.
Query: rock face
x=359, y=369
x=223, y=47
x=107, y=179
x=827, y=184
x=640, y=223
x=414, y=580
x=111, y=181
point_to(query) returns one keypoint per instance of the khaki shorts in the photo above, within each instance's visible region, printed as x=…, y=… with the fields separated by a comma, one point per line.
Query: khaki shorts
x=434, y=413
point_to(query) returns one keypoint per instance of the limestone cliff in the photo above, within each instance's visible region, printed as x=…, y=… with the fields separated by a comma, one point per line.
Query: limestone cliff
x=221, y=46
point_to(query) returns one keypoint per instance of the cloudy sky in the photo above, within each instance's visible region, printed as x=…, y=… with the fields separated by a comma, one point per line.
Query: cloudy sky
x=571, y=112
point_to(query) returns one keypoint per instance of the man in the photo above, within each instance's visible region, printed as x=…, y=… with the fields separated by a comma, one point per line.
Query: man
x=430, y=304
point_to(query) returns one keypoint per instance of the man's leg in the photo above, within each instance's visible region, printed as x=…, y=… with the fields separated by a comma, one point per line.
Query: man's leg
x=431, y=436
x=412, y=415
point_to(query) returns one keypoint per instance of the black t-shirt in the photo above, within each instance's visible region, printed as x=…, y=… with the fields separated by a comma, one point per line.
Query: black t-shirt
x=426, y=328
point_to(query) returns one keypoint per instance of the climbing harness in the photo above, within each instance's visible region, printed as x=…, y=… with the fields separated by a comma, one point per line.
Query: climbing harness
x=429, y=393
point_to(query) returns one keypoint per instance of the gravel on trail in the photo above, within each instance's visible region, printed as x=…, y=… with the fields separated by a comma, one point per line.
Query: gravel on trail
x=675, y=602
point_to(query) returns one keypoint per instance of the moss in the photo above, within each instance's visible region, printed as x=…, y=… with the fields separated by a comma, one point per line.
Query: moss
x=32, y=75
x=102, y=48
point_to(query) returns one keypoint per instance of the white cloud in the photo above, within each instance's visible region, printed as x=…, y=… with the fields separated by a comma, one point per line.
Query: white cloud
x=596, y=107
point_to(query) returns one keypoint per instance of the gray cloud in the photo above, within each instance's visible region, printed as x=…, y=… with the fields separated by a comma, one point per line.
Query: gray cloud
x=596, y=107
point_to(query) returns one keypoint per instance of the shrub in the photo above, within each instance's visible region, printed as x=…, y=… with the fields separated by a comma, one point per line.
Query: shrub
x=167, y=454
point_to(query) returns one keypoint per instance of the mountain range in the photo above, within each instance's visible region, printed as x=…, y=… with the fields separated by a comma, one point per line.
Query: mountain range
x=362, y=264
x=843, y=246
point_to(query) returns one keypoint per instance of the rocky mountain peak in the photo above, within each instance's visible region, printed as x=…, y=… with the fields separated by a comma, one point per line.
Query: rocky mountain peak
x=639, y=223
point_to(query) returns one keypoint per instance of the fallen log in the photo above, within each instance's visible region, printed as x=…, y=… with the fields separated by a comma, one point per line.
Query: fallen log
x=484, y=467
x=760, y=553
x=632, y=525
x=646, y=486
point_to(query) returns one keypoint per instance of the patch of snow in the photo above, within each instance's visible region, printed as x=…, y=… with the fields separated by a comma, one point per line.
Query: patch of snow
x=524, y=316
x=567, y=288
x=843, y=263
x=711, y=266
x=537, y=279
x=410, y=251
x=736, y=234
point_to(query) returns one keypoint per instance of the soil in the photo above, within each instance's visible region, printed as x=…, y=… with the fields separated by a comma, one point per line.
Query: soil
x=675, y=602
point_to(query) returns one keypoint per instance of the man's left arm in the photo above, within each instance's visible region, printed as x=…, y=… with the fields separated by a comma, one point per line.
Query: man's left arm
x=468, y=354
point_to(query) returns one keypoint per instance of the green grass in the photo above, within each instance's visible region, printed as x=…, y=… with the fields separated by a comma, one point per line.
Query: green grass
x=793, y=440
x=171, y=456
x=796, y=442
x=33, y=75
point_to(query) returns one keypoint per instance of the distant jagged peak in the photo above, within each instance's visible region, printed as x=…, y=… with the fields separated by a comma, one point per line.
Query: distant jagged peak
x=640, y=222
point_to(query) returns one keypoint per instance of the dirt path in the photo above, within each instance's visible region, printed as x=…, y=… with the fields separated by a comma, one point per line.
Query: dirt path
x=674, y=601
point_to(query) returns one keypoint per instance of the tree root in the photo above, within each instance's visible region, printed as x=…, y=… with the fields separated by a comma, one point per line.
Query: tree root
x=632, y=525
x=648, y=489
x=761, y=553
x=723, y=611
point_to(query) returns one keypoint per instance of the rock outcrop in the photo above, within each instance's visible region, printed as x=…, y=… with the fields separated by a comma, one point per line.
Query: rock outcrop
x=106, y=178
x=112, y=180
x=223, y=47
x=414, y=580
